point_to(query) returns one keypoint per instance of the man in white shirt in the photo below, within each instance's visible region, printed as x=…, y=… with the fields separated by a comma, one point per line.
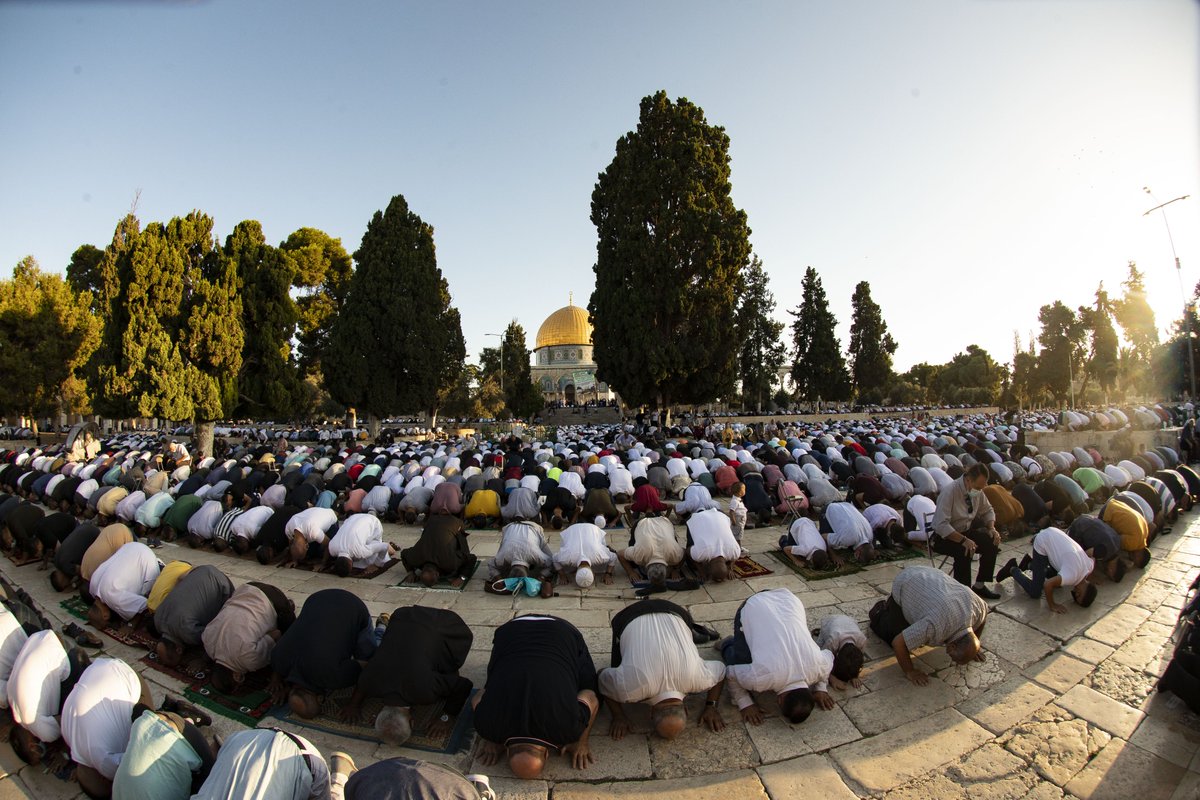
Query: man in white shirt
x=523, y=545
x=42, y=676
x=711, y=545
x=654, y=661
x=654, y=548
x=582, y=552
x=696, y=498
x=308, y=531
x=840, y=635
x=1057, y=560
x=12, y=639
x=122, y=584
x=848, y=529
x=804, y=540
x=359, y=544
x=772, y=650
x=96, y=719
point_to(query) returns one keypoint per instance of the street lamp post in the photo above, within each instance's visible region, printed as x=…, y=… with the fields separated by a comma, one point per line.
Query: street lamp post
x=1187, y=322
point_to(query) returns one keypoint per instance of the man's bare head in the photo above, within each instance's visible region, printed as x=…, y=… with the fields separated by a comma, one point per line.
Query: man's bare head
x=527, y=760
x=718, y=569
x=669, y=718
x=964, y=649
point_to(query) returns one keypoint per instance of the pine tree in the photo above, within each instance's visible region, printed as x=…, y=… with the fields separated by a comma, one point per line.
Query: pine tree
x=871, y=346
x=762, y=352
x=670, y=249
x=820, y=369
x=1062, y=347
x=397, y=345
x=321, y=271
x=1101, y=364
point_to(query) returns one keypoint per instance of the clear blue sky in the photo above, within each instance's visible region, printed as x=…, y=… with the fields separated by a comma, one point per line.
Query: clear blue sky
x=973, y=160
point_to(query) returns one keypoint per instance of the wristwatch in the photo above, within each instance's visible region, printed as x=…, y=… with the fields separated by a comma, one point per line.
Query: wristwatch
x=445, y=718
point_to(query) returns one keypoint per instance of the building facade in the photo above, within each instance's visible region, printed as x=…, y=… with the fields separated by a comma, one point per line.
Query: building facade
x=563, y=366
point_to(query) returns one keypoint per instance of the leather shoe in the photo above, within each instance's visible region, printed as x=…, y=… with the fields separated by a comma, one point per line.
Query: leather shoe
x=986, y=593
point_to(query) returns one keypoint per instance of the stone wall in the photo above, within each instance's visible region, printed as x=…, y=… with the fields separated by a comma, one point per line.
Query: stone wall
x=1045, y=441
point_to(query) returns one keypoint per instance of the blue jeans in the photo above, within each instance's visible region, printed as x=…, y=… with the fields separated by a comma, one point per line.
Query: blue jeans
x=1033, y=585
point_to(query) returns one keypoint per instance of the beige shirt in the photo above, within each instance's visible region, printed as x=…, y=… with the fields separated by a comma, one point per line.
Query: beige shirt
x=110, y=540
x=238, y=637
x=956, y=512
x=655, y=543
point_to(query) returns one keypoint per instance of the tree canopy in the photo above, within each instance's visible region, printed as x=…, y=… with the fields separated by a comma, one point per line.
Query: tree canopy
x=761, y=354
x=671, y=246
x=819, y=370
x=871, y=346
x=397, y=344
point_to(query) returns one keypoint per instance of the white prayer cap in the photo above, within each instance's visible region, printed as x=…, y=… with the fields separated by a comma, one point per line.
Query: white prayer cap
x=584, y=577
x=601, y=521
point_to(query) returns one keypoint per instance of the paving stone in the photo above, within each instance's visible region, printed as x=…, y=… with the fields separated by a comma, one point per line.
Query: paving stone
x=827, y=729
x=1123, y=770
x=728, y=590
x=849, y=594
x=817, y=598
x=975, y=677
x=33, y=782
x=1101, y=710
x=698, y=751
x=1129, y=686
x=1016, y=642
x=765, y=583
x=1188, y=788
x=778, y=740
x=1171, y=740
x=1141, y=648
x=628, y=759
x=743, y=785
x=1088, y=650
x=1058, y=671
x=1117, y=625
x=808, y=776
x=896, y=756
x=705, y=612
x=517, y=789
x=1006, y=704
x=1150, y=594
x=1055, y=743
x=879, y=711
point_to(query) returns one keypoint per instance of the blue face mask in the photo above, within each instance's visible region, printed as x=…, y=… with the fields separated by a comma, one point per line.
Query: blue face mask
x=531, y=586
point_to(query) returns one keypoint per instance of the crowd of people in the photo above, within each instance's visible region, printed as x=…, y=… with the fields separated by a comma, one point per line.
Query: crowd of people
x=95, y=517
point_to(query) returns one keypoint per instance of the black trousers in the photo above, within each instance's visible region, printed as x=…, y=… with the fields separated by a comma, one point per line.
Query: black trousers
x=962, y=560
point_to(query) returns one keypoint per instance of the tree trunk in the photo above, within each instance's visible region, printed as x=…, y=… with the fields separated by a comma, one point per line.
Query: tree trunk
x=202, y=440
x=352, y=418
x=37, y=436
x=373, y=426
x=432, y=418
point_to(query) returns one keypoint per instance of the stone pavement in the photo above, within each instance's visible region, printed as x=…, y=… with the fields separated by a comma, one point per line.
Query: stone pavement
x=1063, y=706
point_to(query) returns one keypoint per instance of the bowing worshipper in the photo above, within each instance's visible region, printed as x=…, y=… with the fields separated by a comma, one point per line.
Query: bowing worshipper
x=321, y=651
x=1057, y=561
x=560, y=507
x=1131, y=526
x=441, y=552
x=1101, y=542
x=1058, y=502
x=42, y=675
x=1036, y=513
x=417, y=663
x=308, y=533
x=523, y=545
x=49, y=534
x=887, y=525
x=654, y=547
x=12, y=638
x=245, y=528
x=695, y=498
x=241, y=638
x=414, y=503
x=267, y=764
x=182, y=616
x=359, y=544
x=928, y=607
x=582, y=553
x=805, y=541
x=847, y=529
x=539, y=697
x=964, y=523
x=402, y=778
x=646, y=502
x=654, y=661
x=711, y=546
x=447, y=499
x=122, y=584
x=149, y=515
x=483, y=509
x=177, y=518
x=17, y=531
x=1010, y=514
x=919, y=512
x=167, y=757
x=522, y=504
x=772, y=650
x=96, y=720
x=840, y=635
x=757, y=500
x=599, y=504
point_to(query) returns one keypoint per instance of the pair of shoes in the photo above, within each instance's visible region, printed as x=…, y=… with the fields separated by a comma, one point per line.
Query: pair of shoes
x=383, y=619
x=983, y=591
x=186, y=710
x=1005, y=572
x=340, y=765
x=81, y=637
x=154, y=543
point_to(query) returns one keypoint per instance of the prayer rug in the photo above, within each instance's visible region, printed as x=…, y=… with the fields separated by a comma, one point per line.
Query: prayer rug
x=442, y=584
x=453, y=740
x=75, y=606
x=810, y=574
x=747, y=567
x=192, y=668
x=885, y=554
x=20, y=562
x=365, y=574
x=248, y=707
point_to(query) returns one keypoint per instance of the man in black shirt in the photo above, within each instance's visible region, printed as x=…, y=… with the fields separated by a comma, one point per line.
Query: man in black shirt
x=540, y=696
x=417, y=663
x=441, y=551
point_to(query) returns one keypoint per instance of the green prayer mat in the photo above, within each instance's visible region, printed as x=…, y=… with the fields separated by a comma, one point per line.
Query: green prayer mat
x=248, y=707
x=442, y=584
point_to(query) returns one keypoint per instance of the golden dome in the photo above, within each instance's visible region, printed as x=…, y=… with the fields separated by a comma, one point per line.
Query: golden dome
x=568, y=325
